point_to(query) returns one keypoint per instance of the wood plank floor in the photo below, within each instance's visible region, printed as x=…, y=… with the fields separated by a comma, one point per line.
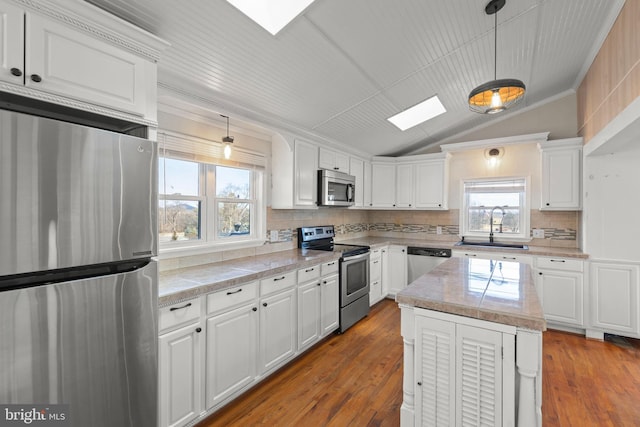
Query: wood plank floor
x=355, y=379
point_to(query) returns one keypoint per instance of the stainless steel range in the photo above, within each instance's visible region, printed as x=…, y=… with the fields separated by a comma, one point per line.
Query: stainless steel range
x=354, y=271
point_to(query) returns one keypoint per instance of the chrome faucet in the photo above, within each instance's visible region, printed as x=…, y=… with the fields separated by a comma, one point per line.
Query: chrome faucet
x=491, y=222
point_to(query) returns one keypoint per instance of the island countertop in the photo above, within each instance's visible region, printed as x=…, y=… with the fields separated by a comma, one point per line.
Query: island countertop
x=495, y=291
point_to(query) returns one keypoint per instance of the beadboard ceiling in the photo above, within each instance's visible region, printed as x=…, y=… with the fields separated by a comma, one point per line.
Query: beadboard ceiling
x=340, y=69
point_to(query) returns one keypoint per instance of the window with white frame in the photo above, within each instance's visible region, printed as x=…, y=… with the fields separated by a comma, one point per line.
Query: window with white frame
x=498, y=206
x=204, y=200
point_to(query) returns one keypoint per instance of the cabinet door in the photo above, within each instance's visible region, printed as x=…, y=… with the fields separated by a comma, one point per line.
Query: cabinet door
x=308, y=314
x=326, y=159
x=562, y=296
x=330, y=304
x=75, y=65
x=397, y=269
x=431, y=185
x=356, y=168
x=231, y=357
x=478, y=376
x=277, y=329
x=614, y=297
x=404, y=186
x=561, y=179
x=11, y=43
x=435, y=372
x=306, y=173
x=341, y=163
x=375, y=276
x=383, y=185
x=367, y=185
x=384, y=276
x=180, y=375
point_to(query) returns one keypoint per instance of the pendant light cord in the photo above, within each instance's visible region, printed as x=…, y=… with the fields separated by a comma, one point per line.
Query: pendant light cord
x=495, y=44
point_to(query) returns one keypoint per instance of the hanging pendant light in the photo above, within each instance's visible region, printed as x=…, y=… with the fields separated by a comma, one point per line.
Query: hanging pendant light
x=497, y=95
x=228, y=140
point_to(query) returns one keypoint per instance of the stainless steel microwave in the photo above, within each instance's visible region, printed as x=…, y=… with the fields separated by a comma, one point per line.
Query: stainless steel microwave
x=335, y=188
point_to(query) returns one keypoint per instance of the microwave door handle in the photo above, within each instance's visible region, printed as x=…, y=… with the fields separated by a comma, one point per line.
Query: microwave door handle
x=349, y=192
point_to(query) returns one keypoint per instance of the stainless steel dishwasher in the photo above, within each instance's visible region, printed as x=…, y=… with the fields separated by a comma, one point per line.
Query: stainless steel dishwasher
x=422, y=260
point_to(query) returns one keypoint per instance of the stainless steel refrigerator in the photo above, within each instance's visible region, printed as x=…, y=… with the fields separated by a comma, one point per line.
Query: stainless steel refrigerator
x=78, y=284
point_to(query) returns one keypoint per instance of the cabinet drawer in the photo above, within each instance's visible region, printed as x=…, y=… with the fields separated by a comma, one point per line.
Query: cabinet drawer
x=277, y=283
x=557, y=263
x=231, y=297
x=178, y=314
x=375, y=269
x=375, y=253
x=308, y=274
x=330, y=267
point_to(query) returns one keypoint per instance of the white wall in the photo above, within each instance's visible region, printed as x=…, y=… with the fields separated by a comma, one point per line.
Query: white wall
x=517, y=161
x=612, y=205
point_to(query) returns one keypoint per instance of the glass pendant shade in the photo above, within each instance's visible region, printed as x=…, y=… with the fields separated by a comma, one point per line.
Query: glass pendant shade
x=496, y=95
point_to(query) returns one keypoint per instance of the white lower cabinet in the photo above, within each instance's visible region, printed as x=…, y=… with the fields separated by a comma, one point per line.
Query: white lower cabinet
x=375, y=276
x=329, y=304
x=460, y=376
x=309, y=288
x=560, y=287
x=277, y=329
x=397, y=263
x=231, y=352
x=180, y=370
x=615, y=298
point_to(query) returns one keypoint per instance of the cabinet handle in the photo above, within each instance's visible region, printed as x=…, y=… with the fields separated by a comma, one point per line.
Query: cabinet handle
x=254, y=309
x=331, y=263
x=180, y=308
x=278, y=278
x=508, y=257
x=234, y=292
x=16, y=72
x=264, y=304
x=336, y=168
x=470, y=255
x=198, y=330
x=36, y=78
x=557, y=260
x=375, y=262
x=309, y=269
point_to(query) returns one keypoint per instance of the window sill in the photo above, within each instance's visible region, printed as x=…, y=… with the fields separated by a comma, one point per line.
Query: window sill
x=206, y=248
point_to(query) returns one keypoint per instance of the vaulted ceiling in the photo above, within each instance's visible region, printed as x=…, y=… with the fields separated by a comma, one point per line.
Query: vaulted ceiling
x=339, y=70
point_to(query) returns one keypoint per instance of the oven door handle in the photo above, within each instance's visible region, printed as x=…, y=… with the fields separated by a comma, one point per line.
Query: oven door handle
x=349, y=192
x=354, y=258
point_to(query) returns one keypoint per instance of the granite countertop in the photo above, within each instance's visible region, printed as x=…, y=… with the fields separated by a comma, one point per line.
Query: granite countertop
x=495, y=291
x=533, y=250
x=178, y=285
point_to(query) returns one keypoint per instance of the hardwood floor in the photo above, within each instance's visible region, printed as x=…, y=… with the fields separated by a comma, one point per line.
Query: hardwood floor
x=355, y=379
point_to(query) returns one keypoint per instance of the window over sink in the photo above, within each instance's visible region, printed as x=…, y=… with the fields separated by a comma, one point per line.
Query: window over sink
x=205, y=201
x=498, y=205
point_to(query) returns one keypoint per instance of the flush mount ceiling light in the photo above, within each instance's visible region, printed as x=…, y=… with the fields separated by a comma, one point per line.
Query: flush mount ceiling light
x=419, y=113
x=272, y=15
x=496, y=95
x=228, y=140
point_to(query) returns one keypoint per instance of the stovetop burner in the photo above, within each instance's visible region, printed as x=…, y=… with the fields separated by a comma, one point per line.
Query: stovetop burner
x=321, y=239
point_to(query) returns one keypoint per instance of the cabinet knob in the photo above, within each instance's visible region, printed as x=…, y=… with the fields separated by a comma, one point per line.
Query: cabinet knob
x=16, y=72
x=439, y=204
x=409, y=204
x=548, y=204
x=254, y=309
x=198, y=330
x=325, y=282
x=394, y=205
x=420, y=383
x=36, y=78
x=540, y=273
x=264, y=304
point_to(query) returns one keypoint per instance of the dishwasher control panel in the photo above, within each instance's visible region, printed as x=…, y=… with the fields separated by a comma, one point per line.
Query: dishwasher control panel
x=435, y=252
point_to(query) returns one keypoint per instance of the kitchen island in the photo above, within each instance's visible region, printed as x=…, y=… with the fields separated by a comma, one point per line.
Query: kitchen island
x=472, y=331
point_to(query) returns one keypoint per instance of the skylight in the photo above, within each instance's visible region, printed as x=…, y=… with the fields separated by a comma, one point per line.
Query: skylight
x=419, y=113
x=272, y=15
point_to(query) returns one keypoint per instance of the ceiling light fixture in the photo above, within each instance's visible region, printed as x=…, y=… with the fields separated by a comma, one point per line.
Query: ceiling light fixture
x=228, y=140
x=497, y=95
x=419, y=113
x=272, y=15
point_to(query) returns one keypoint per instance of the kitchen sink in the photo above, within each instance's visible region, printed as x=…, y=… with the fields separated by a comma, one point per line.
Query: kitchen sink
x=494, y=245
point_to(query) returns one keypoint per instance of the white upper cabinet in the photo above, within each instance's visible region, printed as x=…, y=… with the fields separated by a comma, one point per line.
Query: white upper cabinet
x=356, y=168
x=61, y=56
x=432, y=184
x=405, y=185
x=294, y=174
x=561, y=174
x=333, y=160
x=383, y=185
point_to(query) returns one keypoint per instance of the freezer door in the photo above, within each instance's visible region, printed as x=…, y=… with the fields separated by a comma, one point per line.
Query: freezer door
x=73, y=195
x=90, y=344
